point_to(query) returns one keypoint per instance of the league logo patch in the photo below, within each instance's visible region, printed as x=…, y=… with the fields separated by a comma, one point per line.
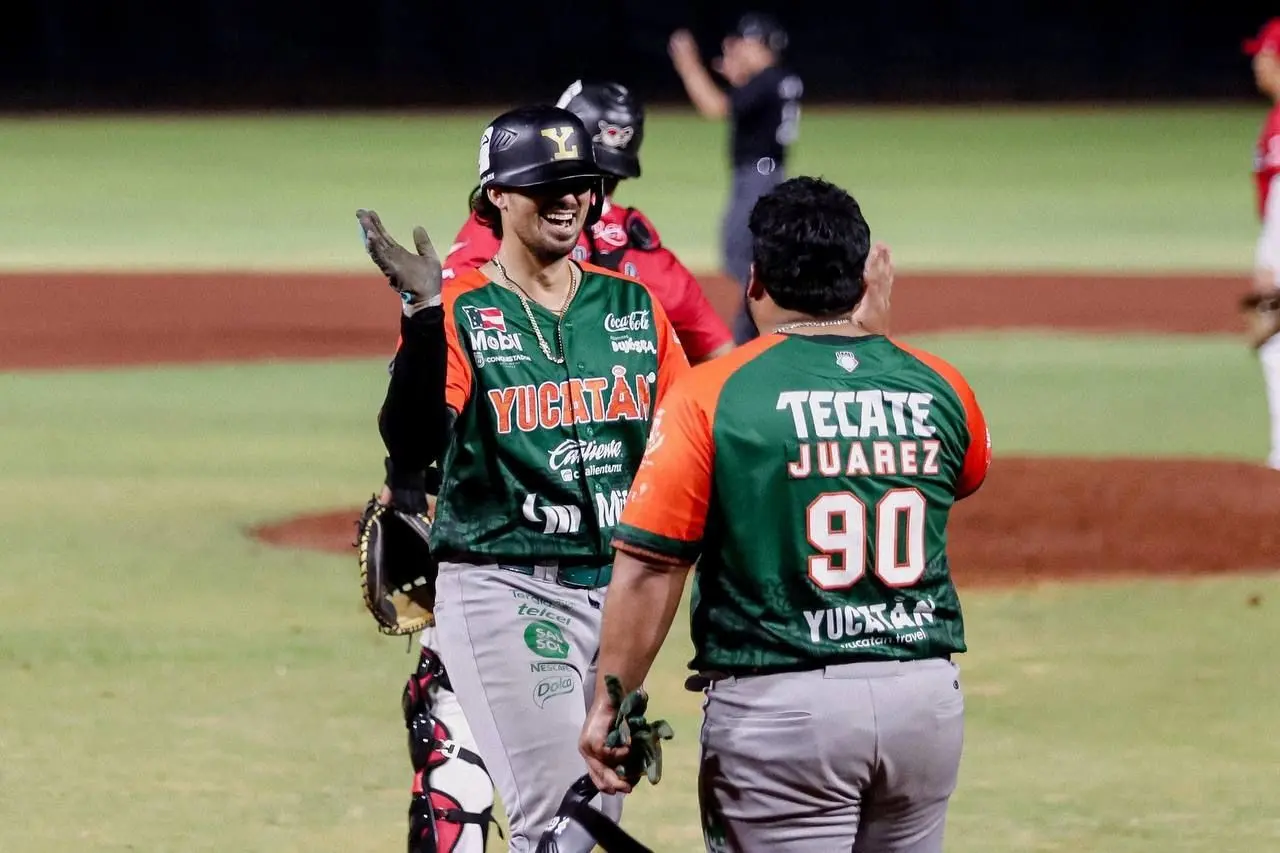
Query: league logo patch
x=614, y=135
x=485, y=319
x=847, y=360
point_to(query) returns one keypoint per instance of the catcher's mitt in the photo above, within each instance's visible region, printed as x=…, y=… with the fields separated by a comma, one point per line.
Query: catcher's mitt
x=397, y=570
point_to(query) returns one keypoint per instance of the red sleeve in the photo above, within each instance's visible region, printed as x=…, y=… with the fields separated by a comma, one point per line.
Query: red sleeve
x=700, y=328
x=474, y=245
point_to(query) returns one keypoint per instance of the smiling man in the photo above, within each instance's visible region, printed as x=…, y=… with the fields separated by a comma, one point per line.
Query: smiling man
x=531, y=381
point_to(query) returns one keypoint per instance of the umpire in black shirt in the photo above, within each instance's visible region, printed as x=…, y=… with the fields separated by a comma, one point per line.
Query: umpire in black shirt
x=763, y=107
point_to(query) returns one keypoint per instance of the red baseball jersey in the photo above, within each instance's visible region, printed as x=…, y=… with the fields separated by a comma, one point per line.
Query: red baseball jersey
x=626, y=242
x=1266, y=157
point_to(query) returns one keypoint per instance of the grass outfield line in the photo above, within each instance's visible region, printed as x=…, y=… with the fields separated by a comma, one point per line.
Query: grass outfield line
x=1104, y=188
x=169, y=684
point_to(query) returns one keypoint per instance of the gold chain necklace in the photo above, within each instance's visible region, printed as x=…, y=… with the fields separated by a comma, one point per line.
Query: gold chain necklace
x=814, y=323
x=528, y=312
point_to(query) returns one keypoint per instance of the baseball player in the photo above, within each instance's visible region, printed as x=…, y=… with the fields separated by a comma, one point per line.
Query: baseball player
x=531, y=380
x=1264, y=305
x=823, y=619
x=622, y=238
x=763, y=108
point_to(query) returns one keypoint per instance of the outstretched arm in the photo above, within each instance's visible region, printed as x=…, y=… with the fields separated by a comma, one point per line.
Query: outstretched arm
x=707, y=97
x=414, y=420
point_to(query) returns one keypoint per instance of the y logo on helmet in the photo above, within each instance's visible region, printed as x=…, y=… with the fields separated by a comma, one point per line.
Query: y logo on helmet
x=562, y=136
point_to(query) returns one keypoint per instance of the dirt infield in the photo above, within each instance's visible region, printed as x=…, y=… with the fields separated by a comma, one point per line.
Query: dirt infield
x=1055, y=519
x=1035, y=520
x=64, y=320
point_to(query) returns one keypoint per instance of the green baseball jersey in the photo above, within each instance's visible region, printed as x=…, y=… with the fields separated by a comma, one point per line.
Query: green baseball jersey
x=812, y=478
x=542, y=454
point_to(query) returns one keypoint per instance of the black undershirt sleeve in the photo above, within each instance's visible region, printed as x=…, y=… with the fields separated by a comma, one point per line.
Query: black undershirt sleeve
x=414, y=421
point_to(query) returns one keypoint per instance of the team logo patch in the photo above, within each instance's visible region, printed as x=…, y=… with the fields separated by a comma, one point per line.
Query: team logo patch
x=610, y=233
x=847, y=360
x=485, y=319
x=614, y=135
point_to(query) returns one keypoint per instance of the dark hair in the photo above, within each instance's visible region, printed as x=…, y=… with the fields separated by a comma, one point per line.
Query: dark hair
x=486, y=211
x=809, y=243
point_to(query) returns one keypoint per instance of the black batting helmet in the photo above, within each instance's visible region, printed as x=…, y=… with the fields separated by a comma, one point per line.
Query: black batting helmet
x=763, y=28
x=535, y=145
x=615, y=119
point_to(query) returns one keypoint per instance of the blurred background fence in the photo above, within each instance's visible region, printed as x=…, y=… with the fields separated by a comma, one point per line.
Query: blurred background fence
x=285, y=53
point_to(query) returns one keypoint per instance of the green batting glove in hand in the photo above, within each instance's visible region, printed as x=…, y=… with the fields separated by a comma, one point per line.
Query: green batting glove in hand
x=418, y=277
x=631, y=729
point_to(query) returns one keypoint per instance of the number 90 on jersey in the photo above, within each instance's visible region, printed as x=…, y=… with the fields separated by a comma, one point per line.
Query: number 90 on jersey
x=839, y=525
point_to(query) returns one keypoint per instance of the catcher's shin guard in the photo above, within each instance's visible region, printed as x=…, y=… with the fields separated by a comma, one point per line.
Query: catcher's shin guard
x=437, y=818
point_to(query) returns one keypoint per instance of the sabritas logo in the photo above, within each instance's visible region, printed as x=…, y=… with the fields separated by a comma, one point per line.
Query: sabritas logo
x=485, y=319
x=594, y=399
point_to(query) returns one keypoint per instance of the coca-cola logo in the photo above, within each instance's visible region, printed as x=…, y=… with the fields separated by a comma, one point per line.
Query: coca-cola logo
x=636, y=321
x=610, y=233
x=571, y=451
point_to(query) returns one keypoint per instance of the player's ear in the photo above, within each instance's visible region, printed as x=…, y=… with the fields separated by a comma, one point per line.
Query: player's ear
x=497, y=197
x=755, y=289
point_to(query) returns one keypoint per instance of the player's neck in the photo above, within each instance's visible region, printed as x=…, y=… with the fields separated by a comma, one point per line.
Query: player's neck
x=794, y=323
x=544, y=280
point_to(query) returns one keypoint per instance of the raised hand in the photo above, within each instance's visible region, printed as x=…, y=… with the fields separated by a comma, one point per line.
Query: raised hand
x=417, y=277
x=872, y=313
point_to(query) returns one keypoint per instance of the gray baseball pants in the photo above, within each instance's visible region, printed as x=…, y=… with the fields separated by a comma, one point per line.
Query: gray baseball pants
x=749, y=182
x=861, y=757
x=521, y=654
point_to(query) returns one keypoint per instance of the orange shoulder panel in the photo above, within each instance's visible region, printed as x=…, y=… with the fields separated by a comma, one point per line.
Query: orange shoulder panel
x=977, y=458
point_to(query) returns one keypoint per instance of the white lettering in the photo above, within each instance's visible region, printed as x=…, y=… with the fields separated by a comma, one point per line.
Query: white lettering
x=897, y=400
x=609, y=508
x=919, y=403
x=633, y=345
x=636, y=321
x=872, y=417
x=486, y=341
x=830, y=414
x=571, y=451
x=555, y=518
x=793, y=400
x=820, y=409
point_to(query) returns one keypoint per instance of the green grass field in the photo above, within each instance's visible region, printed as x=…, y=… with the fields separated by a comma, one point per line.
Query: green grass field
x=169, y=684
x=1154, y=189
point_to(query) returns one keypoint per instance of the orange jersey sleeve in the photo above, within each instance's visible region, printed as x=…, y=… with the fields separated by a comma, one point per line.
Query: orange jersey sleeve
x=977, y=457
x=458, y=378
x=666, y=512
x=672, y=361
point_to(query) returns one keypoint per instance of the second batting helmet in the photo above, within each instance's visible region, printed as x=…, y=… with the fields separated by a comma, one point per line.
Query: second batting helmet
x=535, y=145
x=615, y=119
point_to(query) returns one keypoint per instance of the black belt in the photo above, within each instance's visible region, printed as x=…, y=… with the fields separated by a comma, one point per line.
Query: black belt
x=703, y=679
